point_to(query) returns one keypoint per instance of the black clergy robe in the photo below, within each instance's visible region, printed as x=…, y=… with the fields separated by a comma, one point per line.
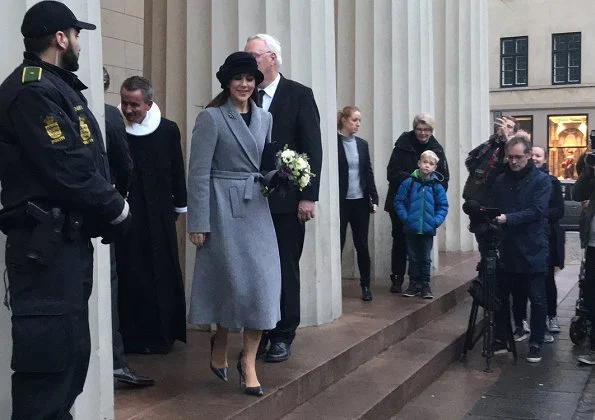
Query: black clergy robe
x=151, y=302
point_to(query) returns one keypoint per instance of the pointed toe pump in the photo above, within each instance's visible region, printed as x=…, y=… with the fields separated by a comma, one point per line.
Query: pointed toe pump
x=221, y=373
x=250, y=390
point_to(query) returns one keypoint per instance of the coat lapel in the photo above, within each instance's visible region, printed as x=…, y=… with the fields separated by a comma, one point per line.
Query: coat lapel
x=244, y=136
x=278, y=99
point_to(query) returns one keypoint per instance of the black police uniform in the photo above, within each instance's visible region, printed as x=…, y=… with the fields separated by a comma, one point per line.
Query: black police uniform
x=52, y=154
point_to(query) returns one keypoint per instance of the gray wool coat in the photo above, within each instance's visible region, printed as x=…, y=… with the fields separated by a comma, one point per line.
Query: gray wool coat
x=237, y=276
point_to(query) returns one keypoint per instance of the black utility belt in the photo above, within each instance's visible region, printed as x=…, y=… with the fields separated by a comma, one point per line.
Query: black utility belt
x=51, y=226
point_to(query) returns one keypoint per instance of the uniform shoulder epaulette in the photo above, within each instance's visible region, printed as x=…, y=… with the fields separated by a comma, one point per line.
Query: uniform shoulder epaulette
x=31, y=74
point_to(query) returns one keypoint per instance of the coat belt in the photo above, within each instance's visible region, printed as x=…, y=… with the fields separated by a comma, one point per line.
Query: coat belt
x=249, y=177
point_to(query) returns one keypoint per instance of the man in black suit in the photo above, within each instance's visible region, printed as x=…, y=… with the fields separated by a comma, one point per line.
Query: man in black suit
x=296, y=123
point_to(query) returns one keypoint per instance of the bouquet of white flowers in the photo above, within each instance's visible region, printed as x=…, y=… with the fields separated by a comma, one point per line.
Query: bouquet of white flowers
x=292, y=168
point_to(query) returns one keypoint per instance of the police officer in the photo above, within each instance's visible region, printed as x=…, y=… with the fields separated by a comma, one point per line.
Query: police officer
x=56, y=194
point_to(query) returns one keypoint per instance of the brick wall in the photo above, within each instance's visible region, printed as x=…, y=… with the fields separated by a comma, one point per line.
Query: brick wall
x=123, y=25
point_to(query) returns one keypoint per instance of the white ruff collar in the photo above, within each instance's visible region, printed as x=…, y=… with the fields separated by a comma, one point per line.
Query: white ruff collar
x=149, y=124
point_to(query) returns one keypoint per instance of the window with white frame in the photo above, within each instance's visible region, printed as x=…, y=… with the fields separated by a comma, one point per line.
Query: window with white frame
x=566, y=58
x=514, y=61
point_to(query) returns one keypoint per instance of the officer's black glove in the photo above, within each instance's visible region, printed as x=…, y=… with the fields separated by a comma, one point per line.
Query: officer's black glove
x=117, y=231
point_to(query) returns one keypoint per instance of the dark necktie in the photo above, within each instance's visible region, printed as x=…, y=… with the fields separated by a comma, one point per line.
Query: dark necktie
x=261, y=97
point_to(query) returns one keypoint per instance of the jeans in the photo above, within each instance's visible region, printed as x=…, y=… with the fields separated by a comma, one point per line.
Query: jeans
x=419, y=252
x=520, y=296
x=535, y=283
x=357, y=214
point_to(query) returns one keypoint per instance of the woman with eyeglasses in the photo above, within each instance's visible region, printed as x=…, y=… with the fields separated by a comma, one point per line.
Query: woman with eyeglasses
x=403, y=161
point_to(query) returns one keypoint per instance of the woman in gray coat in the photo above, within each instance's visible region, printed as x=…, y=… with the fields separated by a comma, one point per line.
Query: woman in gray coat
x=237, y=277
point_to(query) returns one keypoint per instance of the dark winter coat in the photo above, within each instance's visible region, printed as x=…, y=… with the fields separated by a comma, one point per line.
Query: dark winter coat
x=421, y=205
x=555, y=212
x=584, y=189
x=523, y=197
x=403, y=161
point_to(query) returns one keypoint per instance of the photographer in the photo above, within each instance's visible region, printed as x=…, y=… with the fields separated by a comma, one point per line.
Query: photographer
x=584, y=189
x=521, y=193
x=486, y=161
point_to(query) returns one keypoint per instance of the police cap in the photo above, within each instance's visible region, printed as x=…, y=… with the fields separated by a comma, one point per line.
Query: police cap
x=47, y=17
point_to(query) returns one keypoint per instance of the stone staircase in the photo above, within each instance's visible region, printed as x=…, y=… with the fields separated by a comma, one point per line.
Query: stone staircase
x=375, y=376
x=367, y=364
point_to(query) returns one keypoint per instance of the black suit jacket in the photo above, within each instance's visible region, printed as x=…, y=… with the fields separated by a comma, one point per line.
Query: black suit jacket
x=366, y=175
x=118, y=153
x=296, y=123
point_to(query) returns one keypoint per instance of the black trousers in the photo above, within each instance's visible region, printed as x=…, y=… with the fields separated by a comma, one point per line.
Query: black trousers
x=117, y=343
x=589, y=289
x=357, y=214
x=551, y=292
x=398, y=256
x=290, y=239
x=50, y=326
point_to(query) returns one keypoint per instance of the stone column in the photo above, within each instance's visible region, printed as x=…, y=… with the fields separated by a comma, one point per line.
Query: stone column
x=305, y=29
x=385, y=68
x=10, y=28
x=97, y=398
x=165, y=66
x=462, y=99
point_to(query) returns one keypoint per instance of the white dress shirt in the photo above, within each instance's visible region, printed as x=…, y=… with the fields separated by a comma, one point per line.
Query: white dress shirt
x=269, y=92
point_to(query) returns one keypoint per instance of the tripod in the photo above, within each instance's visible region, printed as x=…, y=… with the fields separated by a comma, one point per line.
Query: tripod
x=484, y=292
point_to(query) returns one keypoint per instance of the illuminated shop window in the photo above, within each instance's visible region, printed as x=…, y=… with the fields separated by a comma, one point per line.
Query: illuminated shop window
x=567, y=141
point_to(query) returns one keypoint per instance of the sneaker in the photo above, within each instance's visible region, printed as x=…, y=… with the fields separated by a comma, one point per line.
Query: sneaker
x=587, y=359
x=548, y=338
x=526, y=326
x=411, y=291
x=366, y=294
x=552, y=324
x=426, y=292
x=534, y=355
x=520, y=334
x=499, y=347
x=396, y=283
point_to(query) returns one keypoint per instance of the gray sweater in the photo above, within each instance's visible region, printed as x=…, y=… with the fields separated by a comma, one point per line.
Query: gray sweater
x=354, y=188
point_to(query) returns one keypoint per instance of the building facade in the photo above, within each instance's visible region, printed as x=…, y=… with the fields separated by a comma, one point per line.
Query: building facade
x=542, y=71
x=391, y=58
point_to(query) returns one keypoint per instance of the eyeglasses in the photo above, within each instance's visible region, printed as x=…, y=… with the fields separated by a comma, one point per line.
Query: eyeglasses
x=257, y=55
x=517, y=157
x=423, y=130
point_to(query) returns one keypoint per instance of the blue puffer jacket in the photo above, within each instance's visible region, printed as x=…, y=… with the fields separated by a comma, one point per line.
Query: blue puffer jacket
x=421, y=205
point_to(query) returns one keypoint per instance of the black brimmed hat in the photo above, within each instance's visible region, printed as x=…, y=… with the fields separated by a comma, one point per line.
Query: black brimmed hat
x=238, y=63
x=47, y=17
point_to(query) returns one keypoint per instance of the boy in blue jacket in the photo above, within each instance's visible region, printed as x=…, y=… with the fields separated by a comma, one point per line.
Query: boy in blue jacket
x=421, y=204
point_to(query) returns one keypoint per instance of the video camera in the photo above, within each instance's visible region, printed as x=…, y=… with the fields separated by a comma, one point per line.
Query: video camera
x=481, y=218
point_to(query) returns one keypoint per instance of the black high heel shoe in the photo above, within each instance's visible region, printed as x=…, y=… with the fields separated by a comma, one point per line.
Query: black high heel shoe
x=221, y=373
x=250, y=390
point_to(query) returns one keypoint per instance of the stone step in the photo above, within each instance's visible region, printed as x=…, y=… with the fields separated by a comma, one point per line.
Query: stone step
x=349, y=356
x=321, y=356
x=380, y=387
